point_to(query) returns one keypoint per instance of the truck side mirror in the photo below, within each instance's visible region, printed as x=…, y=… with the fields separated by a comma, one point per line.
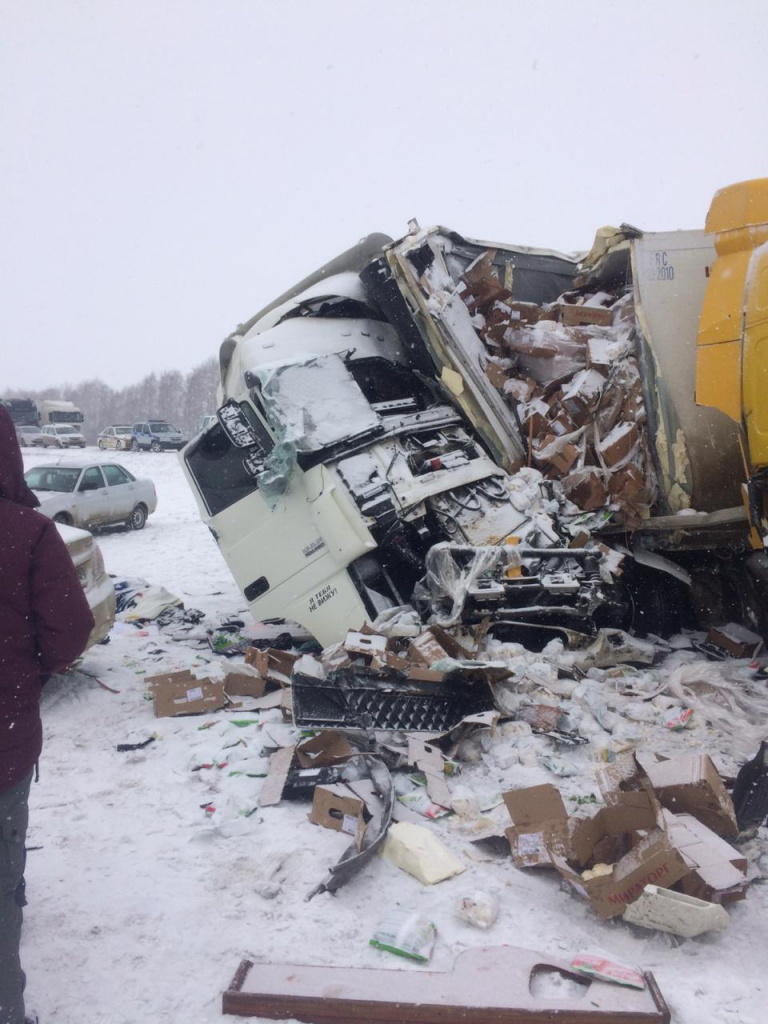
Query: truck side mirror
x=236, y=426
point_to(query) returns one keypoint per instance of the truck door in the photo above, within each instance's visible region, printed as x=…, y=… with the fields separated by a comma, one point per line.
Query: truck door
x=288, y=552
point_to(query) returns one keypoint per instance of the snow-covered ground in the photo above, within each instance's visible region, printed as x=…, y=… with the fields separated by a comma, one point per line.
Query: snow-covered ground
x=141, y=905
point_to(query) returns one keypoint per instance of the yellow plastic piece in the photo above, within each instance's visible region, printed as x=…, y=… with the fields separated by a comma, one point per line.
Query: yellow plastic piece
x=755, y=359
x=513, y=570
x=738, y=217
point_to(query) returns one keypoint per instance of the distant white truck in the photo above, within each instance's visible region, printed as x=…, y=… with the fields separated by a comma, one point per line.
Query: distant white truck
x=56, y=411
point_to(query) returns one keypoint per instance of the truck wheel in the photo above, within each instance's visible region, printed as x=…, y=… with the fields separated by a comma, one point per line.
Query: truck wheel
x=62, y=517
x=137, y=518
x=156, y=447
x=134, y=445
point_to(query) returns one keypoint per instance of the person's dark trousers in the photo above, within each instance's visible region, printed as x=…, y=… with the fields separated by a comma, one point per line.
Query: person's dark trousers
x=14, y=814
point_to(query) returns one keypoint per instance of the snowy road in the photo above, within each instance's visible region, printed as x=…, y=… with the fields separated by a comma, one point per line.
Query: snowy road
x=141, y=906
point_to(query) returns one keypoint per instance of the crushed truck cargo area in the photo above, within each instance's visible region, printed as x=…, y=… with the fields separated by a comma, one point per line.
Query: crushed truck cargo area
x=497, y=434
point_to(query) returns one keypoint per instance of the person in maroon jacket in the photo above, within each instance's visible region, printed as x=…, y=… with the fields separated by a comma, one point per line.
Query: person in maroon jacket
x=45, y=622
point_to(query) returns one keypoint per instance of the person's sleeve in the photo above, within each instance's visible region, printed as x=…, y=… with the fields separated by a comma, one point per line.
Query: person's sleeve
x=63, y=620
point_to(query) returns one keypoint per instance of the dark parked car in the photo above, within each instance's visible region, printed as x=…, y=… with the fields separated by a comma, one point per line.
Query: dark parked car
x=157, y=436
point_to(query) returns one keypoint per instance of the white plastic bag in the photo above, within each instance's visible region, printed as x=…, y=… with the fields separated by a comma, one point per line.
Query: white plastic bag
x=404, y=933
x=478, y=908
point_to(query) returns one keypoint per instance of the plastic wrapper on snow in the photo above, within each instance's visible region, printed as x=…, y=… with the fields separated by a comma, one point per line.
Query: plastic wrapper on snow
x=138, y=601
x=728, y=704
x=446, y=584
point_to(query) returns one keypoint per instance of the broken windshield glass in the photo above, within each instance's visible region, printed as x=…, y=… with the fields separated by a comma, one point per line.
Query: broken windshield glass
x=315, y=403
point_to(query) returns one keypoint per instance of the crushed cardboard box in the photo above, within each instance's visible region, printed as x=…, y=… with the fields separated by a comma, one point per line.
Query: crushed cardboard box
x=692, y=785
x=244, y=681
x=736, y=640
x=326, y=748
x=633, y=839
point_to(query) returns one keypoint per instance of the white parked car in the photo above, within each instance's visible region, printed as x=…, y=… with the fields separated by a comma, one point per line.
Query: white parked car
x=116, y=436
x=98, y=587
x=60, y=435
x=92, y=494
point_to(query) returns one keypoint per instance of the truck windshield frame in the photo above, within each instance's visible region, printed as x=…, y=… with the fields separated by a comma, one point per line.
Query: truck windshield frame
x=59, y=416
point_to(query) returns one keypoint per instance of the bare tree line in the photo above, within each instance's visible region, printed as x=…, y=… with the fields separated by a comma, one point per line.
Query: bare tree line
x=182, y=399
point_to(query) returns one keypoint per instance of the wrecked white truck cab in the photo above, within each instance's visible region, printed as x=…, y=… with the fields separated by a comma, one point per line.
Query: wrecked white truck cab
x=460, y=426
x=361, y=470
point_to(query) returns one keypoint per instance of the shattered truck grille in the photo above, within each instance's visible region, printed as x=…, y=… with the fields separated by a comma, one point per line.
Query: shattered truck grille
x=345, y=700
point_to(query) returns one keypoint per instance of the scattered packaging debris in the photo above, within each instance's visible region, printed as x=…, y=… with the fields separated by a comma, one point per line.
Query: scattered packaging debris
x=478, y=908
x=420, y=853
x=182, y=693
x=405, y=933
x=669, y=911
x=595, y=966
x=337, y=807
x=735, y=640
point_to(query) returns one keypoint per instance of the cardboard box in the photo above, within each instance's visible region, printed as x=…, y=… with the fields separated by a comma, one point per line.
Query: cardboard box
x=425, y=650
x=692, y=785
x=244, y=681
x=497, y=375
x=563, y=460
x=271, y=792
x=717, y=871
x=324, y=749
x=586, y=488
x=576, y=316
x=540, y=825
x=272, y=664
x=429, y=759
x=626, y=835
x=182, y=693
x=618, y=444
x=736, y=640
x=370, y=644
x=338, y=808
x=653, y=860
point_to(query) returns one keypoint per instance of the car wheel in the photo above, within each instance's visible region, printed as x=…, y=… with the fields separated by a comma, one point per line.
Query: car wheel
x=101, y=445
x=137, y=518
x=62, y=517
x=59, y=444
x=134, y=445
x=156, y=447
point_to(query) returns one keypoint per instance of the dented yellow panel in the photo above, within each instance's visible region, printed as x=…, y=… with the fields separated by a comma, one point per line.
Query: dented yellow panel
x=724, y=300
x=718, y=378
x=755, y=358
x=738, y=217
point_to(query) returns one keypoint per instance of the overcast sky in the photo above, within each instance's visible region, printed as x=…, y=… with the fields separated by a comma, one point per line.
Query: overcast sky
x=170, y=166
